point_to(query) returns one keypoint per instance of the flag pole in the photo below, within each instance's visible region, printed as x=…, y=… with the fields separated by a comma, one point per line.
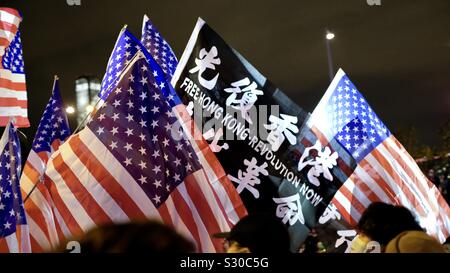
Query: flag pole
x=329, y=36
x=41, y=178
x=23, y=134
x=86, y=117
x=13, y=162
x=32, y=189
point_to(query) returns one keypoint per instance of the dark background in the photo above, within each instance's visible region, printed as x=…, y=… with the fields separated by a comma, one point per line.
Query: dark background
x=397, y=54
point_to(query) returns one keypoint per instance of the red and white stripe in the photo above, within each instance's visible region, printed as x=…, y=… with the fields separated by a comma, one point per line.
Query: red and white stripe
x=13, y=95
x=387, y=174
x=90, y=188
x=390, y=174
x=13, y=98
x=228, y=196
x=9, y=24
x=18, y=242
x=43, y=224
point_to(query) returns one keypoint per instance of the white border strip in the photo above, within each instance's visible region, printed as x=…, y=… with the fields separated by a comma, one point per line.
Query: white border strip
x=187, y=51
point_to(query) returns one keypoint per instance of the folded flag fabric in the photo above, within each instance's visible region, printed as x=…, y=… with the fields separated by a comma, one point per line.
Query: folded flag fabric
x=14, y=233
x=128, y=164
x=13, y=91
x=157, y=46
x=47, y=228
x=254, y=129
x=384, y=170
x=127, y=46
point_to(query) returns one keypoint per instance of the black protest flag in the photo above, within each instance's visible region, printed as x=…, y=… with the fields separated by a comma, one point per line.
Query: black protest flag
x=257, y=132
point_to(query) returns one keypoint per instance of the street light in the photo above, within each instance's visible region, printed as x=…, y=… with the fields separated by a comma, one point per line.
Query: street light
x=328, y=37
x=70, y=110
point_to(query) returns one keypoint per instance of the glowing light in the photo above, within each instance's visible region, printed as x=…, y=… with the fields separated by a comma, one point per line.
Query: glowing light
x=330, y=35
x=70, y=110
x=89, y=108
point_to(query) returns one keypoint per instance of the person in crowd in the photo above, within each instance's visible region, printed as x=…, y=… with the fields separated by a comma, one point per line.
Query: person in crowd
x=413, y=241
x=257, y=234
x=444, y=186
x=312, y=244
x=133, y=237
x=381, y=223
x=432, y=177
x=447, y=245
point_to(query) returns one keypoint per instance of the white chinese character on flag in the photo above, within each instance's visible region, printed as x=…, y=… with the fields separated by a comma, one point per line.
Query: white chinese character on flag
x=280, y=129
x=321, y=164
x=249, y=178
x=330, y=213
x=206, y=60
x=290, y=209
x=248, y=98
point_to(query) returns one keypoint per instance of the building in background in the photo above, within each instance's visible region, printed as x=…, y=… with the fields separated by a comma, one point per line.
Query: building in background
x=86, y=89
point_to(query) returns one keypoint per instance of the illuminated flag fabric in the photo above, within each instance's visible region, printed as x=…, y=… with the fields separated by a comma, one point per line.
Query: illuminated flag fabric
x=13, y=91
x=14, y=235
x=126, y=47
x=124, y=50
x=131, y=162
x=384, y=171
x=158, y=47
x=47, y=228
x=254, y=129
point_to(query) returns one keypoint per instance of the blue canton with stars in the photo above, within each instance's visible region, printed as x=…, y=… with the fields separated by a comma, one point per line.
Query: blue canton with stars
x=158, y=47
x=135, y=124
x=11, y=205
x=53, y=124
x=13, y=57
x=126, y=47
x=354, y=123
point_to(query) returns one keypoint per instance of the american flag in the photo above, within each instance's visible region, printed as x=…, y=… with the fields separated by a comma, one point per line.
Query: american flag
x=384, y=169
x=13, y=92
x=130, y=163
x=124, y=50
x=160, y=50
x=126, y=47
x=46, y=225
x=14, y=236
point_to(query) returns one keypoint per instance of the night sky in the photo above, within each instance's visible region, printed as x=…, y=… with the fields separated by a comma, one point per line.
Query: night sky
x=397, y=54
